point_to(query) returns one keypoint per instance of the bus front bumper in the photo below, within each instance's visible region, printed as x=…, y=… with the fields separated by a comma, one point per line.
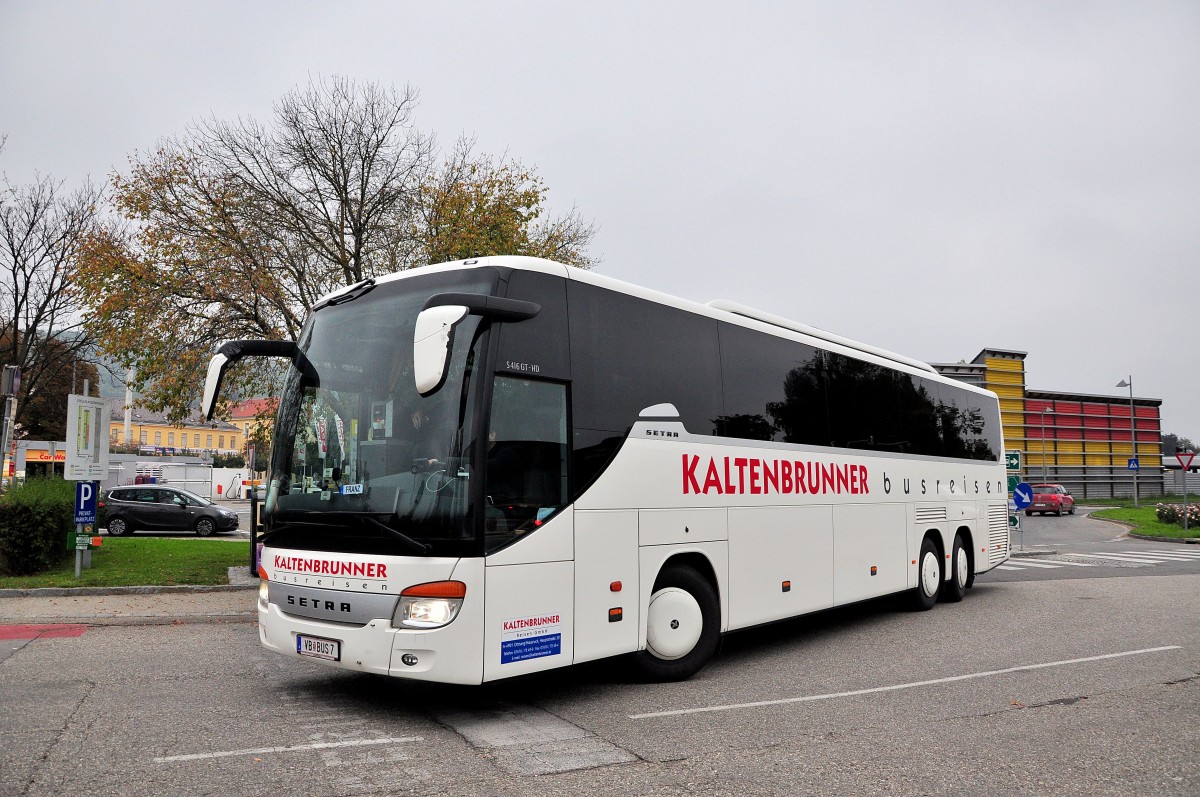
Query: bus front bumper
x=451, y=654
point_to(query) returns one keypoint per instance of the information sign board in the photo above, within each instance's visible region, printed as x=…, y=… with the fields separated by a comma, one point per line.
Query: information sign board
x=1012, y=460
x=87, y=439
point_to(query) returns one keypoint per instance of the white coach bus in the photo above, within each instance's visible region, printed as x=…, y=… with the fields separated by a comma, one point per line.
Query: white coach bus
x=493, y=467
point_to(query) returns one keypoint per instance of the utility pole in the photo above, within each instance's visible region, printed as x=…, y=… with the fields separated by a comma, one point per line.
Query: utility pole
x=10, y=386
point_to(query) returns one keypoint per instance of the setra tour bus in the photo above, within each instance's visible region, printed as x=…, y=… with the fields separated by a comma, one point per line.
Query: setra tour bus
x=494, y=467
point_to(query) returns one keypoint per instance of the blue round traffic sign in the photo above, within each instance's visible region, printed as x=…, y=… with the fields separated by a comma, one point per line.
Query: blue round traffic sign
x=1022, y=495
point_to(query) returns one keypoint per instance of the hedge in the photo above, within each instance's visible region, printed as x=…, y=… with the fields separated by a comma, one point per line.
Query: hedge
x=35, y=519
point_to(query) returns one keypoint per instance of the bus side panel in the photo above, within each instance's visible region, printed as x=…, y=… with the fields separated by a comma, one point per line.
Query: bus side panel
x=553, y=542
x=528, y=618
x=963, y=515
x=773, y=546
x=607, y=544
x=870, y=551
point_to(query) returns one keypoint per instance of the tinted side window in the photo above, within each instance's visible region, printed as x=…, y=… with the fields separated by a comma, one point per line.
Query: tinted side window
x=537, y=346
x=864, y=407
x=773, y=389
x=966, y=423
x=628, y=354
x=526, y=473
x=917, y=408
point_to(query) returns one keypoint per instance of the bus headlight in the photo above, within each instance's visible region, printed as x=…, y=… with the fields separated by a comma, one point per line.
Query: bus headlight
x=430, y=605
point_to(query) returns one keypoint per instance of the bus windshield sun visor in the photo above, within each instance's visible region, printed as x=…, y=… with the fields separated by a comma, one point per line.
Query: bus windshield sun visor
x=487, y=306
x=433, y=335
x=235, y=350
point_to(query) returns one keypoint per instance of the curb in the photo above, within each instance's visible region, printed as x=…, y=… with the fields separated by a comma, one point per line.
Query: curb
x=142, y=620
x=67, y=592
x=1181, y=540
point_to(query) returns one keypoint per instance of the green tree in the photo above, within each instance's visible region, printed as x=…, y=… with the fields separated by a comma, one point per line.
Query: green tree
x=1171, y=443
x=235, y=229
x=476, y=206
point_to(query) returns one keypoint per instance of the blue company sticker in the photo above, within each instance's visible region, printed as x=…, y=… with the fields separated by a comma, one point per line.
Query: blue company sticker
x=532, y=637
x=352, y=489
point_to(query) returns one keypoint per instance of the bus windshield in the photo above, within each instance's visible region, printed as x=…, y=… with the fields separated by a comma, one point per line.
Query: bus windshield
x=361, y=462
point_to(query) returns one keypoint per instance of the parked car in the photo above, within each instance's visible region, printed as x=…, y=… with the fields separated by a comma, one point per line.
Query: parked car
x=1051, y=498
x=150, y=507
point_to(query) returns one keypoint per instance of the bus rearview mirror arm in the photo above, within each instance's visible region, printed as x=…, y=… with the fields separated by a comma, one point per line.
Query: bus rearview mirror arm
x=433, y=335
x=234, y=350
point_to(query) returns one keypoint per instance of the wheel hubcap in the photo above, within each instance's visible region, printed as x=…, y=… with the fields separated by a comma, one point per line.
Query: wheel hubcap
x=930, y=574
x=674, y=623
x=963, y=567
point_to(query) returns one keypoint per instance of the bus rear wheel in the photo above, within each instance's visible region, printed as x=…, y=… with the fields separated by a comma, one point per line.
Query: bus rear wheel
x=682, y=626
x=961, y=576
x=929, y=576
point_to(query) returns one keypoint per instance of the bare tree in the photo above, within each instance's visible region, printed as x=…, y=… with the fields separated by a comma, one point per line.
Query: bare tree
x=237, y=228
x=338, y=176
x=41, y=229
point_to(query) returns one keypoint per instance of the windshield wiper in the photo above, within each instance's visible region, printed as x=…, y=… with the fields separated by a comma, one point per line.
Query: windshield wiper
x=348, y=295
x=419, y=547
x=280, y=526
x=328, y=520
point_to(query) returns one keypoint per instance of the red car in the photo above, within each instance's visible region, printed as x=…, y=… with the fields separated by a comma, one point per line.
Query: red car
x=1051, y=498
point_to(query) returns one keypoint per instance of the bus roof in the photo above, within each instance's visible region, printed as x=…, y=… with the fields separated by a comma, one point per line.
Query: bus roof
x=719, y=309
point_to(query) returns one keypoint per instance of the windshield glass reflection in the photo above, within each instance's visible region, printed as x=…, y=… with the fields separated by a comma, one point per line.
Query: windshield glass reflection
x=361, y=461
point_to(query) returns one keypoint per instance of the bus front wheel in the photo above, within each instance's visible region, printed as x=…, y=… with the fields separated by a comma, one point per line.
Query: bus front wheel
x=682, y=626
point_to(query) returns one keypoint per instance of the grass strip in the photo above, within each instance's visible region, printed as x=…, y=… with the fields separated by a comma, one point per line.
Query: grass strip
x=1146, y=523
x=144, y=561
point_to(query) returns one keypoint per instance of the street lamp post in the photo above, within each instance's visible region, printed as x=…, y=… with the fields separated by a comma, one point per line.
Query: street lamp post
x=1044, y=414
x=1132, y=433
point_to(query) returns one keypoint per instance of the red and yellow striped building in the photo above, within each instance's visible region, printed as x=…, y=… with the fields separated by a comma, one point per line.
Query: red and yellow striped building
x=1082, y=441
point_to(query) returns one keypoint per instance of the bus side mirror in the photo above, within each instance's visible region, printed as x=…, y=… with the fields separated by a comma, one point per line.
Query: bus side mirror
x=235, y=350
x=432, y=338
x=212, y=384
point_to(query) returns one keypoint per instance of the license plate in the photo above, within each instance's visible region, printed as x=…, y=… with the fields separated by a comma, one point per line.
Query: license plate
x=319, y=647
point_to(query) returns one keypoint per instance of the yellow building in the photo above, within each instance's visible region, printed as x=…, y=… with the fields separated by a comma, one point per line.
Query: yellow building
x=151, y=432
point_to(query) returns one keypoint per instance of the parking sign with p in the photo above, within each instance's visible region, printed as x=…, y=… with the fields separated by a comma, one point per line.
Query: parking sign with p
x=86, y=497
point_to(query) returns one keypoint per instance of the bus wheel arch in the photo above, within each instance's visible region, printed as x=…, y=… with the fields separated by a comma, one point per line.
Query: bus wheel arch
x=929, y=572
x=961, y=567
x=683, y=620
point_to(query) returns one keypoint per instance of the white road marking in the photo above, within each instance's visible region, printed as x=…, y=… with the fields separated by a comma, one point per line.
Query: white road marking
x=1120, y=558
x=897, y=687
x=1006, y=567
x=1186, y=554
x=1073, y=564
x=292, y=749
x=1023, y=563
x=526, y=740
x=1162, y=557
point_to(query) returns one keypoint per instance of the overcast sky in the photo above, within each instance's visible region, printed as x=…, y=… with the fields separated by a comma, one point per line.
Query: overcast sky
x=933, y=178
